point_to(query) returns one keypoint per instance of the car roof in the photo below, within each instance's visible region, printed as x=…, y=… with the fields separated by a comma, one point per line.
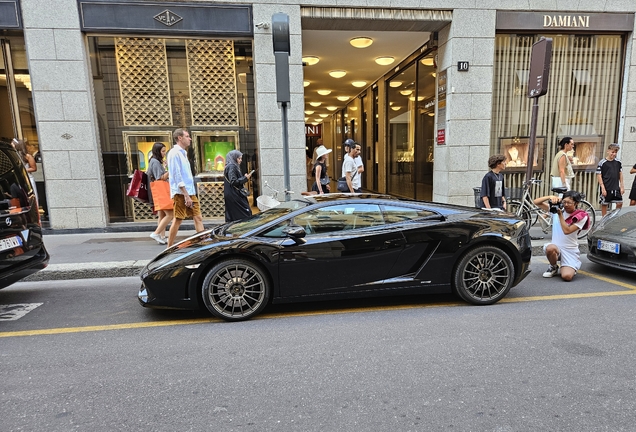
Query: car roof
x=317, y=199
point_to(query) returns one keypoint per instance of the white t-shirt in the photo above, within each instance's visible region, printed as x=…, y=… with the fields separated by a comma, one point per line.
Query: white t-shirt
x=349, y=165
x=358, y=161
x=562, y=240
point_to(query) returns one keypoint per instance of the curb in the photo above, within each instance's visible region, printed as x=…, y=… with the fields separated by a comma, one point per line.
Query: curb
x=88, y=271
x=133, y=268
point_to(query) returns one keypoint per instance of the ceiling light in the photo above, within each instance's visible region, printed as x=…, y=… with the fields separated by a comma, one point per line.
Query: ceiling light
x=306, y=118
x=306, y=83
x=337, y=73
x=323, y=115
x=361, y=42
x=309, y=112
x=318, y=120
x=343, y=98
x=359, y=83
x=311, y=60
x=315, y=104
x=427, y=61
x=353, y=108
x=314, y=123
x=395, y=108
x=431, y=114
x=419, y=98
x=385, y=61
x=406, y=92
x=332, y=108
x=323, y=92
x=395, y=83
x=433, y=74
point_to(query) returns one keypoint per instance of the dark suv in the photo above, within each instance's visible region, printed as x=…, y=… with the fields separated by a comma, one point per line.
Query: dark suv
x=22, y=250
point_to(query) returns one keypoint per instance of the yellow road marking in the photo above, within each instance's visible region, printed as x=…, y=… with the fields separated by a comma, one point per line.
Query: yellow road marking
x=87, y=329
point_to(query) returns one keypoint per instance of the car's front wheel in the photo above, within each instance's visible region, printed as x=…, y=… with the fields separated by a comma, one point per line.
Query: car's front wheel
x=235, y=290
x=484, y=275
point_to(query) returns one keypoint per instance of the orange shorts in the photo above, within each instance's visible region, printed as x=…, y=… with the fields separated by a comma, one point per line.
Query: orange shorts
x=183, y=212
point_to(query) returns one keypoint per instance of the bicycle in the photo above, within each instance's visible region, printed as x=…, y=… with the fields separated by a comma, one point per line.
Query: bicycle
x=527, y=210
x=266, y=202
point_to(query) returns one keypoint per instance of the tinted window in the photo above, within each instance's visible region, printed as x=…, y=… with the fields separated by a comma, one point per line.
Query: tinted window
x=260, y=219
x=340, y=217
x=393, y=214
x=14, y=185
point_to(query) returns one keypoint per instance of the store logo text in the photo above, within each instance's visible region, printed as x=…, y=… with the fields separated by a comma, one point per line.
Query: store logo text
x=566, y=21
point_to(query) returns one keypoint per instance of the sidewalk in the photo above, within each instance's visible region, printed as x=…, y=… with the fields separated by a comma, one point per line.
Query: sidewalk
x=122, y=251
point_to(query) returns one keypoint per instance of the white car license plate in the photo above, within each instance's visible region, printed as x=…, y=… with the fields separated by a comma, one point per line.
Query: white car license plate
x=609, y=246
x=10, y=243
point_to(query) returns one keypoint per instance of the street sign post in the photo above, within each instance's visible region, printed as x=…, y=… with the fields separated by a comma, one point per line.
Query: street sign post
x=538, y=78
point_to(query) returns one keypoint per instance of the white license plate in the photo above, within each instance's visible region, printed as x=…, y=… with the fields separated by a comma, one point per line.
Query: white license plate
x=10, y=243
x=609, y=246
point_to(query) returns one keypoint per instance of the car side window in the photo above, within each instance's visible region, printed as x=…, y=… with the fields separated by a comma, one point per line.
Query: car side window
x=276, y=231
x=394, y=214
x=340, y=217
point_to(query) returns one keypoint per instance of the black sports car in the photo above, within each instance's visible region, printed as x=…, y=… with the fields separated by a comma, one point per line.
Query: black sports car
x=340, y=245
x=612, y=242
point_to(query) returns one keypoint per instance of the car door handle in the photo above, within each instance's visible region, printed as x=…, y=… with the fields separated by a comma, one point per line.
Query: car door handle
x=394, y=242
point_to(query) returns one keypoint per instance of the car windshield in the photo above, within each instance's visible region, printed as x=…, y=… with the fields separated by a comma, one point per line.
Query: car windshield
x=260, y=219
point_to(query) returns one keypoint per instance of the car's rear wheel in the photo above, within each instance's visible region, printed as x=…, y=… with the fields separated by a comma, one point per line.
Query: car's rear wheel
x=235, y=289
x=484, y=275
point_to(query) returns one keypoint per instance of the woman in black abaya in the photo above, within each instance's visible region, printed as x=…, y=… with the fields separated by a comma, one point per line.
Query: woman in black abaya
x=236, y=205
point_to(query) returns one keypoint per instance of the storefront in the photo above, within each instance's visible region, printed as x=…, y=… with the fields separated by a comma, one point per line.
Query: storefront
x=584, y=93
x=150, y=81
x=16, y=102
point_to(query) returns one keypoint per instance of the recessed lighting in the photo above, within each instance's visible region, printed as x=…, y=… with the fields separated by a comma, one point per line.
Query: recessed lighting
x=359, y=83
x=306, y=83
x=353, y=108
x=428, y=61
x=332, y=108
x=323, y=92
x=343, y=98
x=385, y=61
x=431, y=114
x=306, y=118
x=419, y=98
x=315, y=104
x=395, y=108
x=309, y=112
x=395, y=83
x=406, y=92
x=318, y=120
x=337, y=73
x=323, y=115
x=361, y=42
x=433, y=74
x=311, y=60
x=314, y=123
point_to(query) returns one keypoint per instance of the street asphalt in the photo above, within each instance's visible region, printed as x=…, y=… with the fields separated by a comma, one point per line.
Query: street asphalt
x=123, y=250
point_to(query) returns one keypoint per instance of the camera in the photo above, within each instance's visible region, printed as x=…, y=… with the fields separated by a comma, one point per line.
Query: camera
x=555, y=206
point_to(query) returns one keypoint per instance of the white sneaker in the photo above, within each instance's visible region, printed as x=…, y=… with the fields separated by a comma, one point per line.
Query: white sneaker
x=553, y=270
x=158, y=239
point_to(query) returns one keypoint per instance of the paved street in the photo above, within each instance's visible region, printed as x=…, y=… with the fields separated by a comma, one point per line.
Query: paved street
x=551, y=356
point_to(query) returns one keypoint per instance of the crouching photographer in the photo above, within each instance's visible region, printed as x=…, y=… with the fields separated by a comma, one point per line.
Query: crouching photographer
x=567, y=220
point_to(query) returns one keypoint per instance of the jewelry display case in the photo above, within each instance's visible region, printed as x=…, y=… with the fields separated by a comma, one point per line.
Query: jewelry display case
x=138, y=147
x=515, y=149
x=588, y=150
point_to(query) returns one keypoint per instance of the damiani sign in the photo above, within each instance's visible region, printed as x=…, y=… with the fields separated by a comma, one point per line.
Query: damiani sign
x=566, y=21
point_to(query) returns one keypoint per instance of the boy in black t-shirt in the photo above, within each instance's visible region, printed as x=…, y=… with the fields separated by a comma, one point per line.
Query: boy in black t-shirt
x=492, y=185
x=609, y=173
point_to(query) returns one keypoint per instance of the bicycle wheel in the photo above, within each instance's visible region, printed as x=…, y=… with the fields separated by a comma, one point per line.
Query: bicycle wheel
x=591, y=213
x=520, y=210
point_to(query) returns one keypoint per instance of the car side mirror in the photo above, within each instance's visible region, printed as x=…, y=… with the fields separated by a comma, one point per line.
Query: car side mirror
x=296, y=233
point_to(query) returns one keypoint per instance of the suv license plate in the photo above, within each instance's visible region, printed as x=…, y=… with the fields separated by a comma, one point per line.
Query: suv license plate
x=609, y=246
x=10, y=243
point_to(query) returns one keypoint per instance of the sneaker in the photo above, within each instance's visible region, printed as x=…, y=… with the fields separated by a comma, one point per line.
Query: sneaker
x=157, y=239
x=552, y=271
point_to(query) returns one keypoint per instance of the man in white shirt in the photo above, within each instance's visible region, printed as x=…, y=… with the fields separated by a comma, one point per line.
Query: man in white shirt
x=357, y=160
x=350, y=169
x=181, y=181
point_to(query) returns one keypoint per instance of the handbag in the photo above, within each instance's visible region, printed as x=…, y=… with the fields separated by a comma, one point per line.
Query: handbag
x=243, y=191
x=138, y=187
x=161, y=195
x=324, y=181
x=342, y=183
